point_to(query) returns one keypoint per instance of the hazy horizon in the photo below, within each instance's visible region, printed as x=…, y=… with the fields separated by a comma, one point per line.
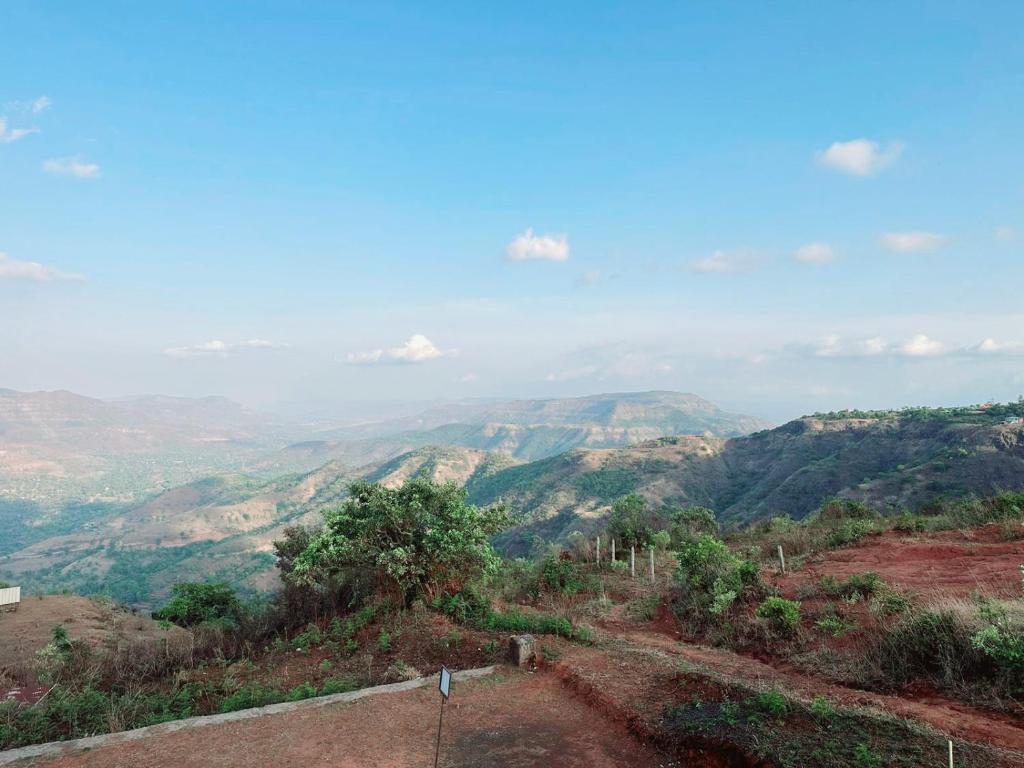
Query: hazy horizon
x=779, y=211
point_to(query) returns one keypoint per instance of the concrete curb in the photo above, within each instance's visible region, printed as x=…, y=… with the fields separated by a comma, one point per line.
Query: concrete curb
x=59, y=748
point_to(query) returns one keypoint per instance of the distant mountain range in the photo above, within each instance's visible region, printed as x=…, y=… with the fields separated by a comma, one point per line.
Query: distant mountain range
x=57, y=447
x=524, y=429
x=223, y=526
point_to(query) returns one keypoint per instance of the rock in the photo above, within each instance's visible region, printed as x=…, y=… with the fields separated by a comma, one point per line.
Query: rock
x=522, y=649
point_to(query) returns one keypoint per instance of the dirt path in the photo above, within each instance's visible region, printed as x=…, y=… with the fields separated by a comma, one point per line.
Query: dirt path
x=954, y=718
x=514, y=719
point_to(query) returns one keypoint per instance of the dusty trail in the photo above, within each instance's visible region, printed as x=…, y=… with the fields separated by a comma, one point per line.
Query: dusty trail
x=955, y=718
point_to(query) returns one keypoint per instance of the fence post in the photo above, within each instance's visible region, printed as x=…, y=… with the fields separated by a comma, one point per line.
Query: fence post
x=598, y=551
x=632, y=561
x=652, y=564
x=782, y=560
x=951, y=753
x=613, y=550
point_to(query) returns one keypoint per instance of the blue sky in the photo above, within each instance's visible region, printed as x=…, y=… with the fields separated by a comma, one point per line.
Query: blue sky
x=782, y=207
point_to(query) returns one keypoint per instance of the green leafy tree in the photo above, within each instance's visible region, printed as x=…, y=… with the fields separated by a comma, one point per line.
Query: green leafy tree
x=687, y=522
x=194, y=603
x=420, y=540
x=631, y=522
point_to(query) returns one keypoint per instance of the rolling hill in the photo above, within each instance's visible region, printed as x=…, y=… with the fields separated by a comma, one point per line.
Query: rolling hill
x=523, y=429
x=224, y=527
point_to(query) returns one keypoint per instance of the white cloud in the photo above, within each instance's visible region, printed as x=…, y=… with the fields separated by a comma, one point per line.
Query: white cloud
x=218, y=348
x=912, y=242
x=11, y=135
x=922, y=346
x=468, y=378
x=992, y=347
x=41, y=104
x=417, y=349
x=859, y=157
x=12, y=269
x=1006, y=234
x=531, y=247
x=815, y=253
x=836, y=346
x=71, y=166
x=725, y=262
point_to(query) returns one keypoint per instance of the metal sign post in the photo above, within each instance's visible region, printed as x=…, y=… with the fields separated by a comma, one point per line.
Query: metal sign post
x=444, y=686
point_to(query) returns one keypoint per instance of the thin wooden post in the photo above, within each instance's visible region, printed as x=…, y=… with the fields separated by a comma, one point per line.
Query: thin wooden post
x=632, y=561
x=782, y=560
x=598, y=551
x=951, y=753
x=613, y=551
x=652, y=564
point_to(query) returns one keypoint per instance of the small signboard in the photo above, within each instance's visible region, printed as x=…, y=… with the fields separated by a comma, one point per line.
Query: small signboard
x=446, y=682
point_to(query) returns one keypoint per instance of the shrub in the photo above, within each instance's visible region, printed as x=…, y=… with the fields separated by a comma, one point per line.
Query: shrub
x=849, y=532
x=311, y=637
x=835, y=509
x=770, y=702
x=301, y=691
x=384, y=641
x=866, y=583
x=712, y=577
x=780, y=613
x=250, y=695
x=837, y=626
x=337, y=685
x=822, y=708
x=688, y=522
x=560, y=575
x=194, y=603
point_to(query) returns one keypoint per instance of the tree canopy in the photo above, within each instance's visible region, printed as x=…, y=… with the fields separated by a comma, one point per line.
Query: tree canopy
x=419, y=540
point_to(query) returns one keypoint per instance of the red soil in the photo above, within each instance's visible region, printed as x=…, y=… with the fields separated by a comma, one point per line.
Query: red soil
x=945, y=564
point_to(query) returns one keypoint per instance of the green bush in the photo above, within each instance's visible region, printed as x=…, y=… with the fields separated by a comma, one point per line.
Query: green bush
x=711, y=576
x=301, y=691
x=384, y=641
x=850, y=532
x=251, y=695
x=194, y=603
x=837, y=626
x=769, y=702
x=560, y=575
x=337, y=685
x=780, y=613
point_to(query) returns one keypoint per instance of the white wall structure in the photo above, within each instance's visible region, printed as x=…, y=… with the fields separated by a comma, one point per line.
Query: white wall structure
x=10, y=597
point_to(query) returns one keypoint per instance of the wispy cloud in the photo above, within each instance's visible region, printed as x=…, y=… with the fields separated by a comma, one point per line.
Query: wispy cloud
x=418, y=349
x=218, y=348
x=726, y=262
x=13, y=269
x=1006, y=234
x=992, y=347
x=912, y=242
x=41, y=104
x=917, y=346
x=921, y=345
x=11, y=135
x=815, y=253
x=71, y=166
x=530, y=247
x=859, y=157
